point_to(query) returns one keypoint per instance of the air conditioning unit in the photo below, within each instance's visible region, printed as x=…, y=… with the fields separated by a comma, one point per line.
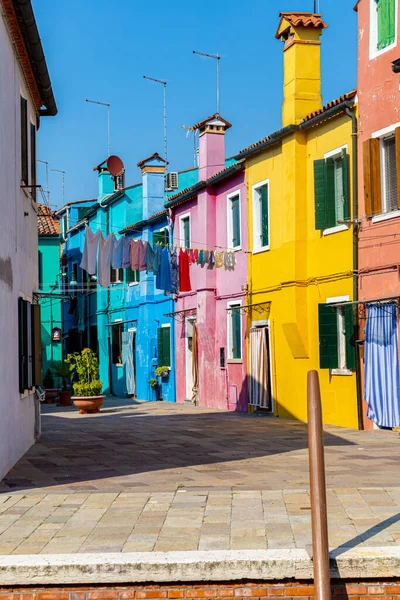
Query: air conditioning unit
x=119, y=182
x=171, y=181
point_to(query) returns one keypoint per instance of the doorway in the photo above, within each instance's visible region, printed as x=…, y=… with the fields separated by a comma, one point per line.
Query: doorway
x=189, y=323
x=129, y=360
x=260, y=384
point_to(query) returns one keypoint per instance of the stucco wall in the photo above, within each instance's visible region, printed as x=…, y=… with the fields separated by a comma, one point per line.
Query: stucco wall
x=18, y=260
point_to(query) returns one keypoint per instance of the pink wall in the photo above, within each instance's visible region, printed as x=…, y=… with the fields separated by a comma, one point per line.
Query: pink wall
x=213, y=289
x=379, y=104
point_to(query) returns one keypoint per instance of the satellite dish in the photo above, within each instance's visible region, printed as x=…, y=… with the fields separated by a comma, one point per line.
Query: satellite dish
x=115, y=165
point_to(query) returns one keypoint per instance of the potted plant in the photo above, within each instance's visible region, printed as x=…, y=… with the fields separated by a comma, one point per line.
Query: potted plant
x=153, y=382
x=87, y=390
x=162, y=372
x=48, y=384
x=64, y=371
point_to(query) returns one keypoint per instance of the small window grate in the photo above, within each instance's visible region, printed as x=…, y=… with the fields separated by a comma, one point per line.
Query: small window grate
x=390, y=175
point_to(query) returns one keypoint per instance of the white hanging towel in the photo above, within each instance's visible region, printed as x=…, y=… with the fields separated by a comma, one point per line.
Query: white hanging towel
x=104, y=260
x=89, y=256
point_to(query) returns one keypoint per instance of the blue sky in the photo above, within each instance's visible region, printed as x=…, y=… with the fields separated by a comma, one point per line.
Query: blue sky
x=100, y=49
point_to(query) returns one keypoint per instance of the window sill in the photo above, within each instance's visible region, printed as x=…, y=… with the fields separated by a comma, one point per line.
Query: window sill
x=386, y=216
x=376, y=53
x=118, y=365
x=335, y=229
x=133, y=283
x=235, y=361
x=343, y=372
x=235, y=249
x=262, y=249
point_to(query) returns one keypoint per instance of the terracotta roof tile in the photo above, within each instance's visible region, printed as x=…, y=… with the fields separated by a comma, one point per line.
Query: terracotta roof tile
x=349, y=96
x=211, y=118
x=48, y=221
x=155, y=155
x=303, y=19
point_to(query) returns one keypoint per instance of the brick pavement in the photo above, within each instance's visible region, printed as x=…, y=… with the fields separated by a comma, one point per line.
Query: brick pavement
x=155, y=476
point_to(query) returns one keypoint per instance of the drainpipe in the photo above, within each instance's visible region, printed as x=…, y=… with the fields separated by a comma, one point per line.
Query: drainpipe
x=108, y=310
x=354, y=139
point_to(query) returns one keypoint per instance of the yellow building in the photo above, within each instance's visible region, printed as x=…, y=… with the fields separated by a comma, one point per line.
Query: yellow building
x=300, y=206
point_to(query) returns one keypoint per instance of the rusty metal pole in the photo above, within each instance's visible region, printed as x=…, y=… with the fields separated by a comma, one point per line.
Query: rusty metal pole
x=318, y=490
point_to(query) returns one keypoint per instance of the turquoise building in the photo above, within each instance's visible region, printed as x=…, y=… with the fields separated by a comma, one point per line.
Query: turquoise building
x=49, y=286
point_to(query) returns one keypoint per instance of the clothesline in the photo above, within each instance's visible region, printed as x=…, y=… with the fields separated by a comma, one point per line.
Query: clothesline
x=209, y=246
x=170, y=268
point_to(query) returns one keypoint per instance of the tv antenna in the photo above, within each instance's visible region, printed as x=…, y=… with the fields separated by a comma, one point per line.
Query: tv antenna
x=108, y=121
x=62, y=183
x=188, y=131
x=217, y=58
x=164, y=83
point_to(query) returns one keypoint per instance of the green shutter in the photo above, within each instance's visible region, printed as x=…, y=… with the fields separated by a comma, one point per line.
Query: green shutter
x=166, y=333
x=161, y=237
x=386, y=19
x=391, y=20
x=132, y=276
x=33, y=161
x=36, y=345
x=328, y=337
x=160, y=347
x=23, y=344
x=236, y=333
x=350, y=341
x=24, y=140
x=264, y=215
x=330, y=201
x=346, y=185
x=235, y=207
x=319, y=194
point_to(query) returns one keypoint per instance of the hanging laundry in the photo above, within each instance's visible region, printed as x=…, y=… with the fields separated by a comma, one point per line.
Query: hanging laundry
x=193, y=256
x=229, y=261
x=206, y=257
x=142, y=255
x=174, y=271
x=89, y=257
x=200, y=260
x=126, y=253
x=211, y=260
x=163, y=277
x=184, y=273
x=150, y=259
x=157, y=258
x=104, y=260
x=116, y=253
x=219, y=259
x=135, y=255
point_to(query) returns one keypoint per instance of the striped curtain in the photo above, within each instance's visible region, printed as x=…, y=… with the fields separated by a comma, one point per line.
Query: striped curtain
x=259, y=385
x=381, y=361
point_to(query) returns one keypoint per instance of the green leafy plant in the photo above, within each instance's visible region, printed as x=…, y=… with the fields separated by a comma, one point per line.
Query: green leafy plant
x=162, y=371
x=86, y=367
x=153, y=383
x=48, y=380
x=64, y=371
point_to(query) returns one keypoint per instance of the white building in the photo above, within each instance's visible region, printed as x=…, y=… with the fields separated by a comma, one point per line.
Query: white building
x=25, y=96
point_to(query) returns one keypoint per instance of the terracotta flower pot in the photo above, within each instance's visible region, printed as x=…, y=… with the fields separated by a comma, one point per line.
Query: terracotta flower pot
x=65, y=398
x=88, y=404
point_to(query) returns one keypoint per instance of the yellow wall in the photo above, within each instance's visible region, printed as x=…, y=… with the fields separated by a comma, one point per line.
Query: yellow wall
x=300, y=253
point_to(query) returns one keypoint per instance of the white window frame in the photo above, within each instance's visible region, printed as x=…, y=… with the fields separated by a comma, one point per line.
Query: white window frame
x=181, y=233
x=373, y=32
x=229, y=333
x=343, y=226
x=256, y=223
x=235, y=194
x=383, y=134
x=341, y=341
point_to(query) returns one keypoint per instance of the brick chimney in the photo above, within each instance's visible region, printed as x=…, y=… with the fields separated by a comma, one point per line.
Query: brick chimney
x=211, y=145
x=300, y=32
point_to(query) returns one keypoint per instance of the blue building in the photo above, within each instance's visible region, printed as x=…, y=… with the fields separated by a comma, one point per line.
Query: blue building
x=125, y=324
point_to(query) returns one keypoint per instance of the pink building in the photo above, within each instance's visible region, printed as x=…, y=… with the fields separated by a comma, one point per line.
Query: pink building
x=379, y=207
x=210, y=321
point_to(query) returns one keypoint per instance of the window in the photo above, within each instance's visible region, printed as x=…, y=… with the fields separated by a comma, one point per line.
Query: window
x=161, y=237
x=234, y=331
x=82, y=212
x=331, y=190
x=389, y=174
x=184, y=232
x=381, y=155
x=73, y=282
x=234, y=240
x=164, y=346
x=261, y=216
x=116, y=275
x=29, y=345
x=383, y=24
x=33, y=161
x=119, y=182
x=117, y=329
x=24, y=140
x=132, y=276
x=336, y=337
